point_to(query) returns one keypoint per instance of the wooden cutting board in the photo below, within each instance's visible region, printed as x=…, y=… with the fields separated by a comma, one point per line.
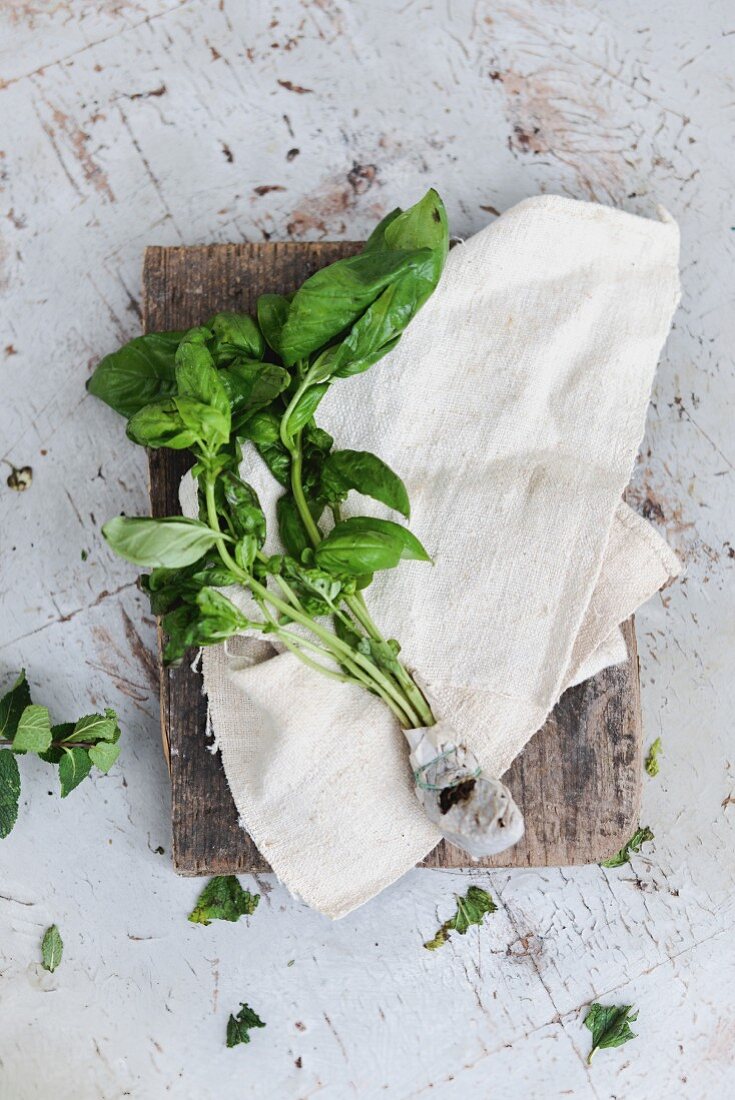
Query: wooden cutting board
x=578, y=781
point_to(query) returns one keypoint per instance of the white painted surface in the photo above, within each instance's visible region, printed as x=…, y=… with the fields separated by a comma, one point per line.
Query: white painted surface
x=625, y=103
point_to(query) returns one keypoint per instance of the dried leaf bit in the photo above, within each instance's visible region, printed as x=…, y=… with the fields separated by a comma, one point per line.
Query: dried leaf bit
x=471, y=909
x=609, y=1025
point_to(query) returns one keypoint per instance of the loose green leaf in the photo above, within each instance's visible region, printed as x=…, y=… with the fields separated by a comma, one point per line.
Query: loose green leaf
x=471, y=909
x=640, y=836
x=138, y=373
x=170, y=542
x=52, y=948
x=74, y=766
x=363, y=544
x=9, y=792
x=34, y=730
x=610, y=1026
x=272, y=315
x=104, y=755
x=652, y=764
x=12, y=705
x=223, y=898
x=367, y=474
x=238, y=1026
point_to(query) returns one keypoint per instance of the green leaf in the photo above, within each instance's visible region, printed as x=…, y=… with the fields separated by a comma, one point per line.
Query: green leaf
x=640, y=836
x=335, y=297
x=272, y=315
x=171, y=542
x=235, y=335
x=138, y=373
x=197, y=376
x=94, y=727
x=238, y=1026
x=34, y=730
x=610, y=1026
x=212, y=618
x=367, y=474
x=652, y=764
x=291, y=529
x=423, y=225
x=74, y=766
x=167, y=588
x=250, y=386
x=305, y=407
x=364, y=544
x=160, y=424
x=245, y=513
x=59, y=732
x=52, y=948
x=223, y=898
x=104, y=755
x=263, y=428
x=12, y=705
x=376, y=240
x=9, y=792
x=471, y=909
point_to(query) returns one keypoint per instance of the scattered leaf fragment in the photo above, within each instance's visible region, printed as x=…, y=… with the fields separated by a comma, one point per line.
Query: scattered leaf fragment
x=652, y=765
x=640, y=836
x=471, y=909
x=20, y=478
x=223, y=898
x=238, y=1026
x=9, y=791
x=52, y=949
x=609, y=1025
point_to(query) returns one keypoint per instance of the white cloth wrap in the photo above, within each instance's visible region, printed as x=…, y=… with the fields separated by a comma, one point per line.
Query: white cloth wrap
x=513, y=408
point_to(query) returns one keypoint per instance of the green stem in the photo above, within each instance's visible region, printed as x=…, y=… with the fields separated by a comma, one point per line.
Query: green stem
x=338, y=649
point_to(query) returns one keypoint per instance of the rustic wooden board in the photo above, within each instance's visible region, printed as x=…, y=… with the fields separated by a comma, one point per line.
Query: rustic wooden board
x=578, y=780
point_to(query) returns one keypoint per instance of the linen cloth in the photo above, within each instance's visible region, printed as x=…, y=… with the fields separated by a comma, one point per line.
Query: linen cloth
x=513, y=408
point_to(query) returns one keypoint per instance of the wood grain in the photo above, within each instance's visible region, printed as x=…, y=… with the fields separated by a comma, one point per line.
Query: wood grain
x=578, y=780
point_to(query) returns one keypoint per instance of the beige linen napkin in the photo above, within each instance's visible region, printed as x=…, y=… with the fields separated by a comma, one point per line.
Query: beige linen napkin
x=512, y=407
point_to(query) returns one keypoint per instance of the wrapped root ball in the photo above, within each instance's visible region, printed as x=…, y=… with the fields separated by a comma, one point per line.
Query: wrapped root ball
x=472, y=811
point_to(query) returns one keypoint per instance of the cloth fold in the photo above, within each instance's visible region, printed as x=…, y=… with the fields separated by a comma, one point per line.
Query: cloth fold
x=512, y=407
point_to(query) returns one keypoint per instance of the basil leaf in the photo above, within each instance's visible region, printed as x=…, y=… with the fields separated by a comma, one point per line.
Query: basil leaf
x=291, y=530
x=207, y=423
x=334, y=298
x=367, y=474
x=160, y=424
x=238, y=1026
x=168, y=587
x=376, y=240
x=197, y=376
x=223, y=898
x=245, y=513
x=52, y=948
x=363, y=545
x=211, y=619
x=34, y=730
x=74, y=766
x=170, y=542
x=9, y=792
x=272, y=315
x=423, y=225
x=12, y=705
x=104, y=755
x=252, y=385
x=305, y=407
x=139, y=372
x=235, y=335
x=609, y=1025
x=263, y=428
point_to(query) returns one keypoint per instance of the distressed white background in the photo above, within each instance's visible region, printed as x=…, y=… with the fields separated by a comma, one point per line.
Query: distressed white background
x=127, y=123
